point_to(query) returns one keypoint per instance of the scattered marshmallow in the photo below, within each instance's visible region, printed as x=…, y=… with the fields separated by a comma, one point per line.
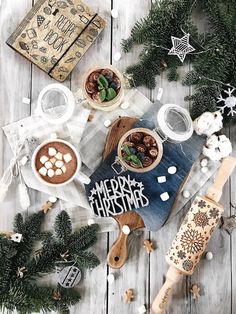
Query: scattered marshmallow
x=43, y=159
x=161, y=179
x=51, y=173
x=204, y=162
x=142, y=309
x=53, y=136
x=91, y=222
x=53, y=160
x=26, y=100
x=204, y=169
x=124, y=105
x=48, y=164
x=172, y=170
x=164, y=196
x=186, y=194
x=67, y=157
x=52, y=199
x=52, y=151
x=59, y=163
x=23, y=160
x=114, y=13
x=117, y=56
x=107, y=123
x=58, y=156
x=126, y=229
x=209, y=256
x=111, y=278
x=16, y=237
x=58, y=172
x=43, y=171
x=63, y=169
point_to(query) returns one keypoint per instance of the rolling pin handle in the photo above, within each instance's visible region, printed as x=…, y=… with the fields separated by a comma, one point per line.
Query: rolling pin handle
x=161, y=301
x=215, y=191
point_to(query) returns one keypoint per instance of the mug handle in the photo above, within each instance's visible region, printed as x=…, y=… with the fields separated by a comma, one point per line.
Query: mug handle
x=83, y=178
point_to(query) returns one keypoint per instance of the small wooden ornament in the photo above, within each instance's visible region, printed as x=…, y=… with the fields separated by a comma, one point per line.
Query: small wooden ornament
x=56, y=296
x=65, y=255
x=45, y=208
x=148, y=245
x=195, y=291
x=20, y=271
x=128, y=296
x=229, y=223
x=70, y=276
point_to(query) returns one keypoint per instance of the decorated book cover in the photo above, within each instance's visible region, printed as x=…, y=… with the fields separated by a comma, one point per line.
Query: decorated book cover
x=55, y=35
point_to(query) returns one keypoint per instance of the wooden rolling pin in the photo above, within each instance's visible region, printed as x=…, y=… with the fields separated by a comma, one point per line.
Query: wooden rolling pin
x=194, y=235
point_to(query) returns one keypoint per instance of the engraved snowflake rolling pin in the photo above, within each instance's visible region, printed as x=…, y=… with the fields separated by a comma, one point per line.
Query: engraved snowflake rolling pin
x=194, y=235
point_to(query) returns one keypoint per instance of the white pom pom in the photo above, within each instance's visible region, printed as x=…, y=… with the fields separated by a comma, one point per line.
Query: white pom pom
x=208, y=123
x=52, y=151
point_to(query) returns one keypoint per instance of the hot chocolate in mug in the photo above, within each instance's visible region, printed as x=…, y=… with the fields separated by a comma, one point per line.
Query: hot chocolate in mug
x=56, y=162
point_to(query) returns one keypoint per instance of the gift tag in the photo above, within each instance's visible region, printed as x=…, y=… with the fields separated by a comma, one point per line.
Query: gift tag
x=70, y=276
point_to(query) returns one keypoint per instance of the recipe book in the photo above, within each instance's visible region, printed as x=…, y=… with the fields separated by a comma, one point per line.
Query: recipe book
x=55, y=35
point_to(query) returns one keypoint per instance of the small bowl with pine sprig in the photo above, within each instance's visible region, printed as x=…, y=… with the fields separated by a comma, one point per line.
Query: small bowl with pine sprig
x=103, y=87
x=140, y=150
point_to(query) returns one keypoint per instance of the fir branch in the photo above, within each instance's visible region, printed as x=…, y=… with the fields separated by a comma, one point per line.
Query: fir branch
x=63, y=227
x=87, y=260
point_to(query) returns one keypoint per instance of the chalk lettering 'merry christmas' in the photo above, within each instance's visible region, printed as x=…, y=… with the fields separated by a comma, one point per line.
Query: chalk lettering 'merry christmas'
x=116, y=196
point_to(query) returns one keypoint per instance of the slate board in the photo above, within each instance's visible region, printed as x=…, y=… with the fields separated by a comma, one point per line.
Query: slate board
x=181, y=155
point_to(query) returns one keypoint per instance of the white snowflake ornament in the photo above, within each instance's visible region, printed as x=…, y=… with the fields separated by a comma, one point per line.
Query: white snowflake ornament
x=228, y=102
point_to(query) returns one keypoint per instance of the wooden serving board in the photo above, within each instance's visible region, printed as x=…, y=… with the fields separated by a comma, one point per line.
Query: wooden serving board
x=119, y=251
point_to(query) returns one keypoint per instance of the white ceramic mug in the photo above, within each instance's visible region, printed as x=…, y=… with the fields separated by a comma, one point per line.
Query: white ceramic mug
x=77, y=175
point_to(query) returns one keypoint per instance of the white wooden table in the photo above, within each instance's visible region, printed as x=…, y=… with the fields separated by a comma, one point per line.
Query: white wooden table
x=143, y=273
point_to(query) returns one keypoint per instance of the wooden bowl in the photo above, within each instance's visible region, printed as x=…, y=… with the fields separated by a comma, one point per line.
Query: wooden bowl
x=159, y=147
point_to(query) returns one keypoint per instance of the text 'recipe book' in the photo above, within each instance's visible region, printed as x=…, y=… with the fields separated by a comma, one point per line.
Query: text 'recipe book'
x=55, y=35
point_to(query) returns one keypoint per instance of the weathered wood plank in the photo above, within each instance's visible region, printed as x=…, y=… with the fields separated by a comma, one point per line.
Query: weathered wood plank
x=232, y=211
x=15, y=78
x=134, y=274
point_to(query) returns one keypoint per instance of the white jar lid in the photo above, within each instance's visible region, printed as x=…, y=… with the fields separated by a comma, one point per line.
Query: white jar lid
x=174, y=123
x=56, y=103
